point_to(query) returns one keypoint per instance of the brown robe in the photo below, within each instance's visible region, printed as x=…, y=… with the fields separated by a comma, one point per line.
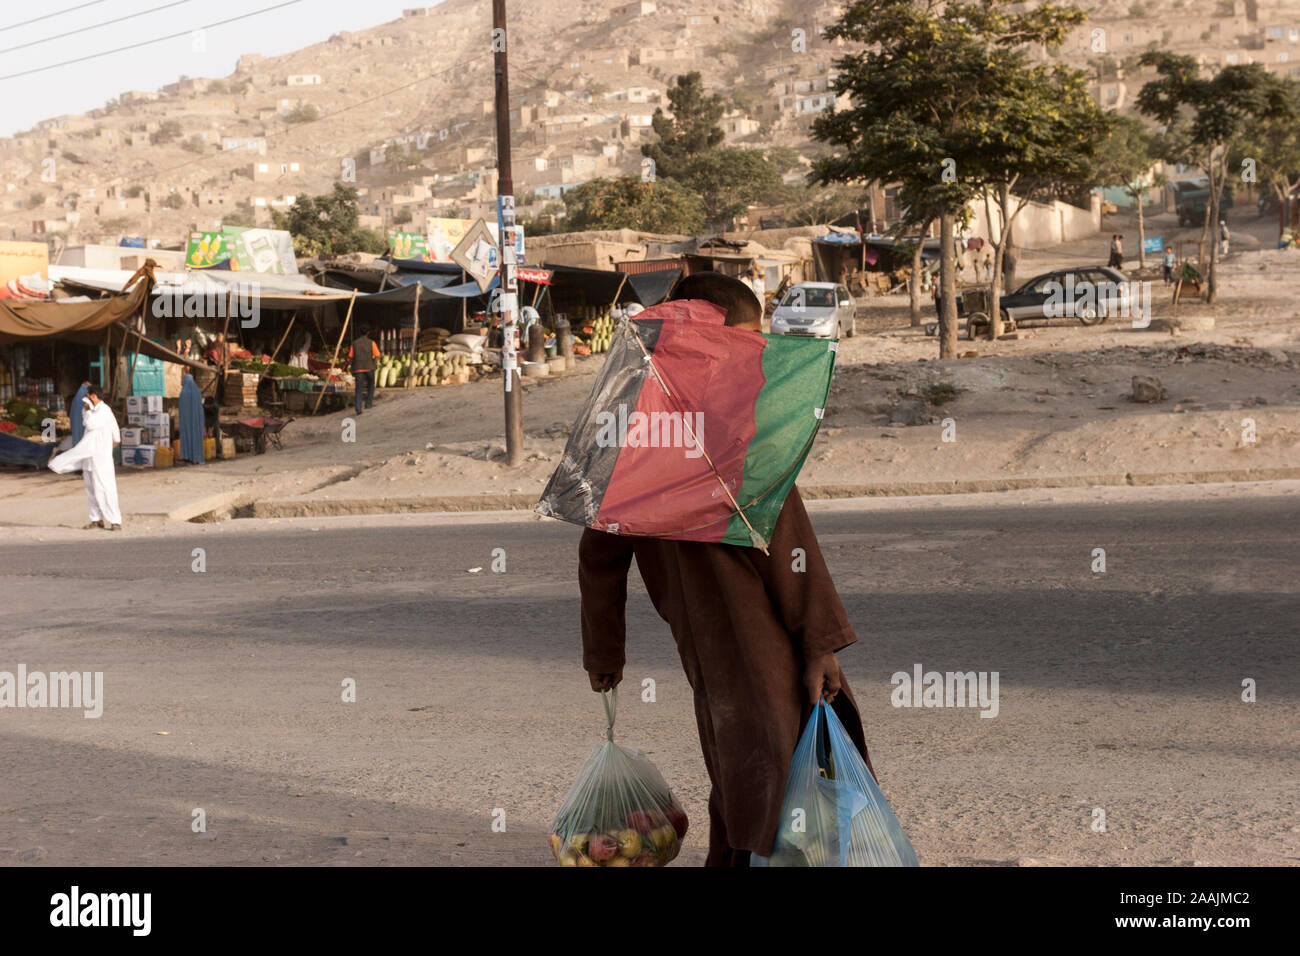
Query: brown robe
x=744, y=623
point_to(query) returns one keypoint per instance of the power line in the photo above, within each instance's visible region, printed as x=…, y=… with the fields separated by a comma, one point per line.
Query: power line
x=50, y=16
x=143, y=43
x=95, y=26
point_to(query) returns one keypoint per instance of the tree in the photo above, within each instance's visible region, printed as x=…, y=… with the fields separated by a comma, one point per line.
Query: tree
x=1270, y=154
x=1214, y=114
x=661, y=205
x=167, y=131
x=1050, y=134
x=302, y=113
x=327, y=225
x=242, y=215
x=729, y=180
x=814, y=205
x=690, y=131
x=1127, y=157
x=945, y=103
x=174, y=201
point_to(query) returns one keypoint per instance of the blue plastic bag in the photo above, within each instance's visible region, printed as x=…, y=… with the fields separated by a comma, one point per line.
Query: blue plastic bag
x=834, y=814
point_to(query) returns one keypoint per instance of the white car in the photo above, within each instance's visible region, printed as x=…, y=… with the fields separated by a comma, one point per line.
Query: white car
x=821, y=309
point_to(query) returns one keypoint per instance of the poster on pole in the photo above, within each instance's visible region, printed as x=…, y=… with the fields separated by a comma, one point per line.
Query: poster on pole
x=444, y=235
x=476, y=254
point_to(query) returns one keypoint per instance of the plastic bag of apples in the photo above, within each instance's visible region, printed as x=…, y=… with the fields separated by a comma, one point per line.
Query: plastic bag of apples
x=619, y=812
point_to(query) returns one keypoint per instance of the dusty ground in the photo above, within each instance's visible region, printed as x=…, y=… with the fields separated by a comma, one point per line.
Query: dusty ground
x=1049, y=408
x=1118, y=691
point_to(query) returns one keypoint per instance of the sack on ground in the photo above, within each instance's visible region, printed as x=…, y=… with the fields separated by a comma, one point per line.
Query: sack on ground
x=619, y=812
x=834, y=813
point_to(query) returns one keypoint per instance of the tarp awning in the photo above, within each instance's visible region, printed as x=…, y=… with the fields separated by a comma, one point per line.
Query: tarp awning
x=599, y=285
x=75, y=321
x=651, y=288
x=269, y=290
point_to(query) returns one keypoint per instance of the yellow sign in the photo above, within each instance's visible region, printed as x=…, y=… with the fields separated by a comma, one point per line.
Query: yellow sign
x=23, y=259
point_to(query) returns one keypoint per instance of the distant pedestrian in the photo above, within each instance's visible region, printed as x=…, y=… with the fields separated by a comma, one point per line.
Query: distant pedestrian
x=93, y=454
x=362, y=354
x=754, y=279
x=1116, y=251
x=1170, y=261
x=191, y=420
x=1223, y=238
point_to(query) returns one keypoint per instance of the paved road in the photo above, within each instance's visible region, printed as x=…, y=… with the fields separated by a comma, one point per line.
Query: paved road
x=1118, y=691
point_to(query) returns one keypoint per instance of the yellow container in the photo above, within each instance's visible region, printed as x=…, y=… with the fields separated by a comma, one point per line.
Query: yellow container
x=162, y=458
x=209, y=449
x=227, y=447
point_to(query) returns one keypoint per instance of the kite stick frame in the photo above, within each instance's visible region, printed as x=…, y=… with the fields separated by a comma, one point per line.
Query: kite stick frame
x=754, y=535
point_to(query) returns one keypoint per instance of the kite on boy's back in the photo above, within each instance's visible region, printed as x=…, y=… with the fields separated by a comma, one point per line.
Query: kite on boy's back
x=721, y=539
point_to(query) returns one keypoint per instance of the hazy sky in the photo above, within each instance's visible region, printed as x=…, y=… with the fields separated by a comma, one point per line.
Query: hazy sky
x=78, y=87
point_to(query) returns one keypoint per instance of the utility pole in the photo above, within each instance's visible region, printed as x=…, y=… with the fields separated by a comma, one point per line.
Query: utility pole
x=509, y=298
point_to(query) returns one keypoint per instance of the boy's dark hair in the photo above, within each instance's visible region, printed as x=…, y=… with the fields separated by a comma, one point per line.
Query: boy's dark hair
x=363, y=331
x=94, y=390
x=731, y=294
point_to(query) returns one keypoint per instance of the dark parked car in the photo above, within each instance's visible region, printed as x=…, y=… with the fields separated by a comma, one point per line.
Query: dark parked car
x=1088, y=294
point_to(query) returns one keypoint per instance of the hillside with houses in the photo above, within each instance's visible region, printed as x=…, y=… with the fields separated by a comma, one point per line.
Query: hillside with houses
x=404, y=111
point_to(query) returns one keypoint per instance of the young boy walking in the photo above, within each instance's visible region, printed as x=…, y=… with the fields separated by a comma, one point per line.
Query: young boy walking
x=757, y=636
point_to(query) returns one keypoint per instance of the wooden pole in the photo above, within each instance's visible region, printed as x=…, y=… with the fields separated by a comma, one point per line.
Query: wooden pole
x=621, y=282
x=225, y=343
x=342, y=334
x=513, y=390
x=293, y=318
x=415, y=337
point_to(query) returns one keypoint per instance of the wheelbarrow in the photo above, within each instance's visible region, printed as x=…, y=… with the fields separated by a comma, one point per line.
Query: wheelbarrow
x=258, y=429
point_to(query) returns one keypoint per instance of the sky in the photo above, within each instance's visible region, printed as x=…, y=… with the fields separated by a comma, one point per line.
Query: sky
x=79, y=87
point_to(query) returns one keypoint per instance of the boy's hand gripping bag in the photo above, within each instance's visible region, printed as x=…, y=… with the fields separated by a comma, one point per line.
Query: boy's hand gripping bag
x=620, y=811
x=834, y=813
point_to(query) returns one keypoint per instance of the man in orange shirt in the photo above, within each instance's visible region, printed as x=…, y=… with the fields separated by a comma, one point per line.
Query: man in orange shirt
x=362, y=354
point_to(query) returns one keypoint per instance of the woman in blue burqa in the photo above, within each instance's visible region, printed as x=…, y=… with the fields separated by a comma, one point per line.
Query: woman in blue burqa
x=191, y=421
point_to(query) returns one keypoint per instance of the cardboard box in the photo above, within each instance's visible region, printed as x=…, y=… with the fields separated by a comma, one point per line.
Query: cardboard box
x=144, y=403
x=132, y=437
x=160, y=422
x=137, y=418
x=138, y=456
x=162, y=441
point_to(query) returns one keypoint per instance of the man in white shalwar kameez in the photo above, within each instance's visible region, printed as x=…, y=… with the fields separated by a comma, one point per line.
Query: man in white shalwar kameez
x=94, y=456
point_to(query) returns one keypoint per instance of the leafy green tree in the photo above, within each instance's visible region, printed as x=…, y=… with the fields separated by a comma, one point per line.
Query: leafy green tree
x=691, y=131
x=327, y=225
x=1212, y=115
x=945, y=103
x=729, y=180
x=1270, y=150
x=628, y=202
x=1126, y=160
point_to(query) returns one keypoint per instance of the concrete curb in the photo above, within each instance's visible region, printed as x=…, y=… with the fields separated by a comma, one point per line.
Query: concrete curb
x=304, y=508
